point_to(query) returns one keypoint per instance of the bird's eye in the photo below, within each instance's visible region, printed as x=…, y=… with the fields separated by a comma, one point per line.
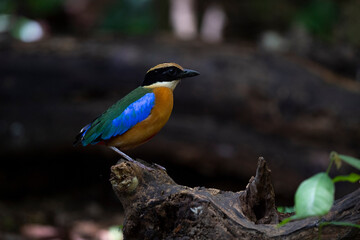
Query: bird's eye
x=171, y=72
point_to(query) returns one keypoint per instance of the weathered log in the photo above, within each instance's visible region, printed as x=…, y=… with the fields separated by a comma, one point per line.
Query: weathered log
x=158, y=208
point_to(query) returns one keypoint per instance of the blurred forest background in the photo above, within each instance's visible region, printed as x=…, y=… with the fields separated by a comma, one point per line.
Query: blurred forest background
x=279, y=79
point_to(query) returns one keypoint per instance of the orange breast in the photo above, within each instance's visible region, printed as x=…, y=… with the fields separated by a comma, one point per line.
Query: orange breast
x=146, y=129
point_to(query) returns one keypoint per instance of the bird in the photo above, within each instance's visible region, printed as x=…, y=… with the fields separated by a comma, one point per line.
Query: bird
x=140, y=115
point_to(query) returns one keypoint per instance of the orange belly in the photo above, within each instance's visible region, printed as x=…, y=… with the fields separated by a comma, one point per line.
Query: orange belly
x=146, y=129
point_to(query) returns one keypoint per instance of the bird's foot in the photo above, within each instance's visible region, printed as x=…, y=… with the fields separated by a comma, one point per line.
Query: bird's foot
x=140, y=164
x=159, y=166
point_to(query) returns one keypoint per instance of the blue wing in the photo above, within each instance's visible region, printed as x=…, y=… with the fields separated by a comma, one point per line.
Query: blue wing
x=133, y=114
x=109, y=124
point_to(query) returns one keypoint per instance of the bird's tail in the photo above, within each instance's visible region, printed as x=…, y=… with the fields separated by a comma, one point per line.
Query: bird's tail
x=80, y=136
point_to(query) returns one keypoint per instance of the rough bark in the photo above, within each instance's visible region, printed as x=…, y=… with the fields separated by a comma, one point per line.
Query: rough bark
x=158, y=208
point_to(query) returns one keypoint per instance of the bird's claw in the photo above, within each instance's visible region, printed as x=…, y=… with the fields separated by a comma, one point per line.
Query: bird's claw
x=159, y=167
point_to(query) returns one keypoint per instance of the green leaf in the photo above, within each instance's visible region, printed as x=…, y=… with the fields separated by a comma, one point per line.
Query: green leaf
x=338, y=162
x=315, y=196
x=334, y=157
x=351, y=160
x=352, y=177
x=284, y=209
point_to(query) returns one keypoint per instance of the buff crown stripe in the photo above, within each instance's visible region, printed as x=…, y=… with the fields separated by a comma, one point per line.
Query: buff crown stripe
x=164, y=65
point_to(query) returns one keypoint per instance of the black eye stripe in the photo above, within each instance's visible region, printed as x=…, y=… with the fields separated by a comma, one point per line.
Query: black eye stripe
x=166, y=74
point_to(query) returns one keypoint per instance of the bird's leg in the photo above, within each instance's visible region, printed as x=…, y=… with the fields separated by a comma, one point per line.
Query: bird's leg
x=130, y=159
x=122, y=154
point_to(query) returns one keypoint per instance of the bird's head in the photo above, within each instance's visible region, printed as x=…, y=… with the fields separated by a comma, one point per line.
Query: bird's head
x=166, y=75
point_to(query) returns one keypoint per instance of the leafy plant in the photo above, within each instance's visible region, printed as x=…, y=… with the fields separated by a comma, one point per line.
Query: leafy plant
x=315, y=195
x=283, y=209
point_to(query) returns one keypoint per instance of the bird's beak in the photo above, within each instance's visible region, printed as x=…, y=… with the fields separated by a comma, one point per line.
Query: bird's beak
x=188, y=73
